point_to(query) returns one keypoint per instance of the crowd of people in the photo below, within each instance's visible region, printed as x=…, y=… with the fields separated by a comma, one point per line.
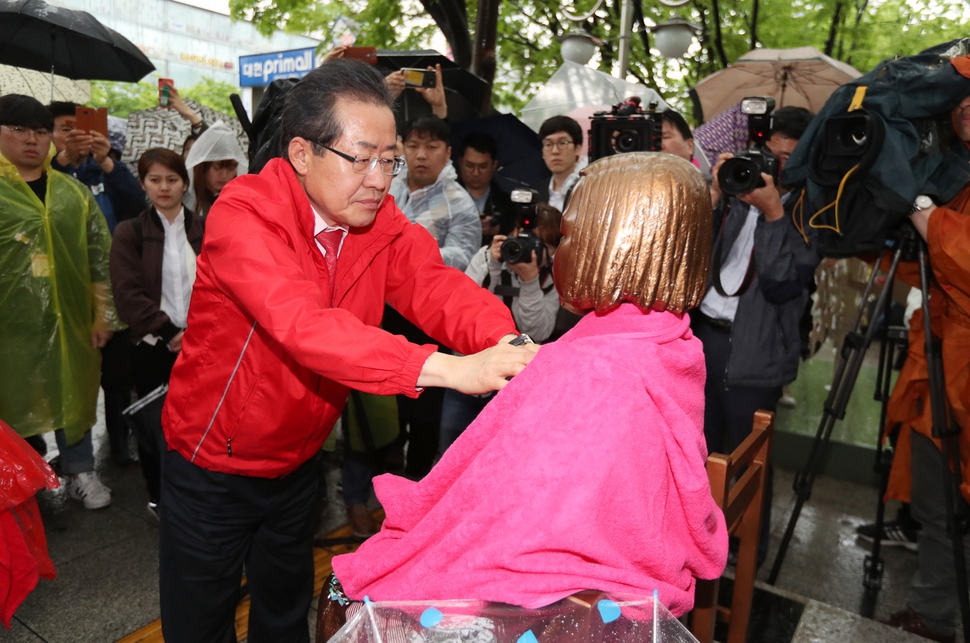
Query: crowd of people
x=308, y=285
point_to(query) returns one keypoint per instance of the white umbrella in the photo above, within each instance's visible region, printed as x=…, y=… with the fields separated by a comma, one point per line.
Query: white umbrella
x=574, y=86
x=801, y=77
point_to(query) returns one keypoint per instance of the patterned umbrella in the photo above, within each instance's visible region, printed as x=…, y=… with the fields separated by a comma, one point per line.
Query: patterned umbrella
x=164, y=127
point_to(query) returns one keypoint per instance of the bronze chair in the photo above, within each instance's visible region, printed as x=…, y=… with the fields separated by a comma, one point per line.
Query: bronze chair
x=741, y=503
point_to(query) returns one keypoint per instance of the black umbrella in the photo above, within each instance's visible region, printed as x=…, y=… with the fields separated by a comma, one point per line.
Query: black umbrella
x=520, y=162
x=41, y=36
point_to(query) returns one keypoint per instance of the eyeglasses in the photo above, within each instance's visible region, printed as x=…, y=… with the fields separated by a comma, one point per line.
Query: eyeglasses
x=389, y=167
x=22, y=134
x=563, y=143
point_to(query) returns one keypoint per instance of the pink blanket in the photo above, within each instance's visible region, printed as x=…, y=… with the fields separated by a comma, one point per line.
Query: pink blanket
x=585, y=473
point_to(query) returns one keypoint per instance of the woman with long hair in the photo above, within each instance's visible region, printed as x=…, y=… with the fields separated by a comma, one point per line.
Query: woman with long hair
x=213, y=160
x=152, y=273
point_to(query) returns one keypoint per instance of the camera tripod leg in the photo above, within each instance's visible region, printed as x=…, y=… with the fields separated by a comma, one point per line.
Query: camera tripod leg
x=853, y=353
x=873, y=565
x=948, y=432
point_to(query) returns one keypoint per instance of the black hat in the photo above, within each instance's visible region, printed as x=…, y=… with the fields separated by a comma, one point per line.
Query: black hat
x=17, y=109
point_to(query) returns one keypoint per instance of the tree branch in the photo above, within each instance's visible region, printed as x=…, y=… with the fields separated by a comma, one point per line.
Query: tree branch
x=718, y=39
x=754, y=23
x=833, y=28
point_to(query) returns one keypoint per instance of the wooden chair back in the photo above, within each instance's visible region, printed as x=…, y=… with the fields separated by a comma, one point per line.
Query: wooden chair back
x=740, y=501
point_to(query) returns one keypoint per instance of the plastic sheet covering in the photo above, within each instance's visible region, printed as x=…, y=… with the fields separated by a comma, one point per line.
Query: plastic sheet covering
x=22, y=471
x=23, y=546
x=218, y=143
x=586, y=618
x=55, y=290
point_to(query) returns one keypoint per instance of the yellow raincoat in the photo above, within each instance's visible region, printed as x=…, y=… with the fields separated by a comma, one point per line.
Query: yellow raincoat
x=54, y=291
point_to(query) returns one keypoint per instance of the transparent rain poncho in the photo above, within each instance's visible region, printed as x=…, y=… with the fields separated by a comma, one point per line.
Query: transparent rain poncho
x=579, y=619
x=217, y=143
x=54, y=291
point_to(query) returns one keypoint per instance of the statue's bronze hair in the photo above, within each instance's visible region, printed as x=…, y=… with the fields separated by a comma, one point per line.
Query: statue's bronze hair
x=637, y=228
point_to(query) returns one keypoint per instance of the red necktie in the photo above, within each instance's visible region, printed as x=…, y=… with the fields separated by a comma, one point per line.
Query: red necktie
x=330, y=240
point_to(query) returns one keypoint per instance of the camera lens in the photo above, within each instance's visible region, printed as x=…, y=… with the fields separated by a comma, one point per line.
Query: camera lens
x=853, y=139
x=628, y=141
x=740, y=175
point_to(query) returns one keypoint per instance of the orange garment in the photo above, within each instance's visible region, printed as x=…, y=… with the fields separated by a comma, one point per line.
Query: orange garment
x=948, y=238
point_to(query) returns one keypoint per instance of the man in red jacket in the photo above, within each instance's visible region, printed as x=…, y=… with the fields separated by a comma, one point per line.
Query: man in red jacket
x=296, y=265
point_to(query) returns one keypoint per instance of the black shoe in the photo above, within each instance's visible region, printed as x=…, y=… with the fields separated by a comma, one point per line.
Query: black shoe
x=894, y=534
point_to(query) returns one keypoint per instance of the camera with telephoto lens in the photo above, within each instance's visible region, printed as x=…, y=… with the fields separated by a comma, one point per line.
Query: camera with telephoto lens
x=626, y=128
x=519, y=249
x=741, y=174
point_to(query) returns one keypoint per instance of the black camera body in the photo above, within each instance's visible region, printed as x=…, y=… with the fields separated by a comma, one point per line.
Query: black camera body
x=519, y=249
x=742, y=174
x=626, y=128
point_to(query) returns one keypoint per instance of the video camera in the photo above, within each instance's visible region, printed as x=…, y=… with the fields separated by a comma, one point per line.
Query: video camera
x=626, y=128
x=519, y=249
x=741, y=174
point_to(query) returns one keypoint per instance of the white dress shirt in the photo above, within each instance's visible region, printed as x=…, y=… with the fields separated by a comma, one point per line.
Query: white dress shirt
x=178, y=270
x=558, y=199
x=733, y=269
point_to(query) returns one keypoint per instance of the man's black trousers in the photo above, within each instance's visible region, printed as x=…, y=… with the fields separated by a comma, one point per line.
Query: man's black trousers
x=215, y=524
x=729, y=410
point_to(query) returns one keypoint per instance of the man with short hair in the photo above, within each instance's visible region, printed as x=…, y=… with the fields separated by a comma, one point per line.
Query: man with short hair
x=477, y=164
x=295, y=268
x=57, y=308
x=86, y=156
x=562, y=140
x=676, y=137
x=761, y=269
x=429, y=194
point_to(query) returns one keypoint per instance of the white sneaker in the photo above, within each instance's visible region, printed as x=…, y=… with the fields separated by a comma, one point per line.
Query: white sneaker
x=88, y=489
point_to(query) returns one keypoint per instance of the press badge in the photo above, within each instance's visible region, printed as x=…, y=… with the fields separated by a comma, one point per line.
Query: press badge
x=40, y=265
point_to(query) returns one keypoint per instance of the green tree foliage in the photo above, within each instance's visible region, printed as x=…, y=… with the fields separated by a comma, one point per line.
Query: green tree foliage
x=860, y=32
x=123, y=98
x=212, y=93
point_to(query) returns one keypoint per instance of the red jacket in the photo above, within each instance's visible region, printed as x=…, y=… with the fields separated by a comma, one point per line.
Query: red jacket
x=266, y=364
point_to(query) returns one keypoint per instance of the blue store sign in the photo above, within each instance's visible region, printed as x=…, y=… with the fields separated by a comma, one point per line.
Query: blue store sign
x=261, y=69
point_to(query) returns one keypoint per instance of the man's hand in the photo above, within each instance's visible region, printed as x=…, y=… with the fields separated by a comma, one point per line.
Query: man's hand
x=482, y=372
x=100, y=146
x=77, y=146
x=395, y=83
x=526, y=271
x=496, y=248
x=100, y=337
x=716, y=193
x=175, y=344
x=765, y=199
x=435, y=95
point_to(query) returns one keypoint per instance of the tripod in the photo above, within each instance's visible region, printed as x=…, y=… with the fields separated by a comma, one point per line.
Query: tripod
x=906, y=243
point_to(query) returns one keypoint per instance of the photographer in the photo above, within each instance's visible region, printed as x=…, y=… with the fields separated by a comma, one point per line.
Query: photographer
x=761, y=269
x=932, y=603
x=526, y=288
